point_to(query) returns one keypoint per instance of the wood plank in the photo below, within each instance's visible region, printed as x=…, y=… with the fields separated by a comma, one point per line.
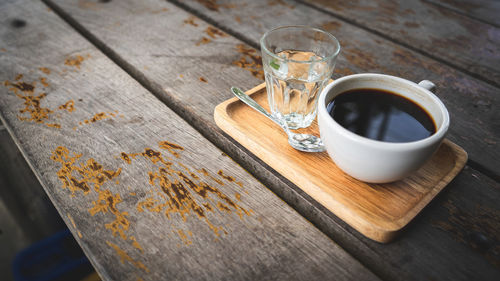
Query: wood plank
x=467, y=44
x=176, y=71
x=482, y=10
x=145, y=195
x=426, y=251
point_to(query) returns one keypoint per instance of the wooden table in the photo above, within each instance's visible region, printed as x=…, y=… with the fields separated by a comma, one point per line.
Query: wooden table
x=111, y=103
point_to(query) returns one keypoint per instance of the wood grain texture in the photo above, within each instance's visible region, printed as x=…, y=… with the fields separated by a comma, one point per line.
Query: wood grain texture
x=145, y=195
x=475, y=124
x=470, y=45
x=484, y=10
x=426, y=251
x=379, y=211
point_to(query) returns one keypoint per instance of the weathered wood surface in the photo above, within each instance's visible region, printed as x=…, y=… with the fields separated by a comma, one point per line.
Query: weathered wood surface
x=145, y=195
x=475, y=122
x=162, y=46
x=468, y=44
x=483, y=10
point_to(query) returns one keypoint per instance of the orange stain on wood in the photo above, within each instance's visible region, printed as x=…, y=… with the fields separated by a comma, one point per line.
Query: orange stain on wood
x=68, y=106
x=75, y=61
x=74, y=225
x=214, y=32
x=160, y=11
x=210, y=4
x=191, y=21
x=202, y=79
x=91, y=176
x=125, y=257
x=90, y=173
x=99, y=116
x=229, y=178
x=203, y=40
x=207, y=174
x=43, y=80
x=32, y=106
x=250, y=61
x=32, y=102
x=184, y=236
x=181, y=192
x=171, y=147
x=71, y=220
x=135, y=244
x=45, y=70
x=107, y=202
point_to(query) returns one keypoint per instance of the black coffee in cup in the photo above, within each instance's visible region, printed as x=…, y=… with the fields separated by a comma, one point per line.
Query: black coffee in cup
x=381, y=115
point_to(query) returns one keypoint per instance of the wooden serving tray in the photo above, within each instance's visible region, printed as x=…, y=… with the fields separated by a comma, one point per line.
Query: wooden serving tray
x=378, y=211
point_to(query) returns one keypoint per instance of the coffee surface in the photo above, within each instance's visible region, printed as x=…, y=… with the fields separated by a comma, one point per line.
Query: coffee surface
x=381, y=115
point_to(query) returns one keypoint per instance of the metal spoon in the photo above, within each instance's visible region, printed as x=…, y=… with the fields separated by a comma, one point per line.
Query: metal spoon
x=302, y=142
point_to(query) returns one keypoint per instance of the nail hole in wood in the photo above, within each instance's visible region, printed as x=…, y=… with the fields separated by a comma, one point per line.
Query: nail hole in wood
x=18, y=23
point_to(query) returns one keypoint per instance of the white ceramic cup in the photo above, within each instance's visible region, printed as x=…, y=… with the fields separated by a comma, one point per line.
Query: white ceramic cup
x=372, y=160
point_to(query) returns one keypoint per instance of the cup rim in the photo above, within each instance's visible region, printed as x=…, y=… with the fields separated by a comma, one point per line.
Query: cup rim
x=439, y=134
x=272, y=54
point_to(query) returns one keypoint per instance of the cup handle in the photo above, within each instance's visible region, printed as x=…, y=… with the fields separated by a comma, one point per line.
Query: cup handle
x=428, y=85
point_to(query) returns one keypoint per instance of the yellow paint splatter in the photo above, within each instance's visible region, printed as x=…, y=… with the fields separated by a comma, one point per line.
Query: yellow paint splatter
x=125, y=257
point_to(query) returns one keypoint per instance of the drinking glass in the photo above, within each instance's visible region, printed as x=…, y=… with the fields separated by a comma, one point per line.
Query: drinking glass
x=298, y=62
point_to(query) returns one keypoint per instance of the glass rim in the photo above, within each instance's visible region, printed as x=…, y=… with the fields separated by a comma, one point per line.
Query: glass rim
x=272, y=54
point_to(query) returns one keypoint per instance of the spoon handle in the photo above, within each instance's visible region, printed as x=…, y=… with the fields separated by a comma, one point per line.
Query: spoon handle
x=252, y=103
